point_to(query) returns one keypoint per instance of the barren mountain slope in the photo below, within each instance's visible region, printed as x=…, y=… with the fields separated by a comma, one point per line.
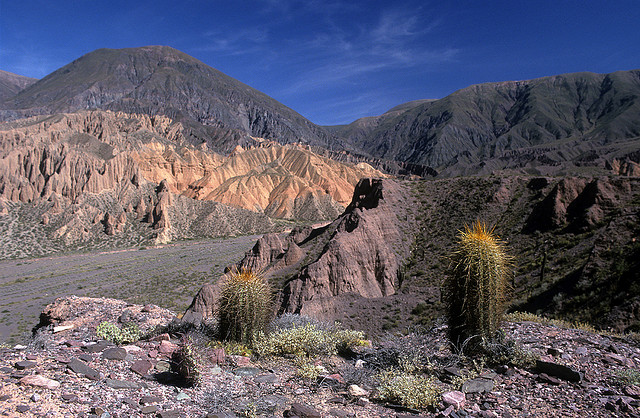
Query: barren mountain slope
x=11, y=84
x=159, y=80
x=542, y=125
x=284, y=181
x=573, y=239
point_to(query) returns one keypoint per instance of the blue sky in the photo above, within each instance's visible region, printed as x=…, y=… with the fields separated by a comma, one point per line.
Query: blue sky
x=336, y=61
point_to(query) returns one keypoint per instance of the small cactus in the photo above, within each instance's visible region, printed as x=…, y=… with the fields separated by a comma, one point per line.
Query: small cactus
x=475, y=290
x=187, y=363
x=245, y=306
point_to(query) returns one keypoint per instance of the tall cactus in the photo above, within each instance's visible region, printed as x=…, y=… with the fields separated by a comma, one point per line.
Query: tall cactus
x=476, y=287
x=245, y=305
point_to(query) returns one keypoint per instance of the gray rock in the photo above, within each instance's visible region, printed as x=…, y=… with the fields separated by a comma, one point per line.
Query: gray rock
x=122, y=384
x=114, y=353
x=477, y=385
x=149, y=409
x=98, y=347
x=267, y=378
x=246, y=371
x=302, y=411
x=25, y=364
x=558, y=370
x=150, y=399
x=81, y=367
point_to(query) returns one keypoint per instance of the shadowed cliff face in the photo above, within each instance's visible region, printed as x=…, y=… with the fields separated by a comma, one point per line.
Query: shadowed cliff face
x=360, y=253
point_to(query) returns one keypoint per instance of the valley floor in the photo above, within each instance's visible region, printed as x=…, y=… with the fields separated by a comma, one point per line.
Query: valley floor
x=168, y=276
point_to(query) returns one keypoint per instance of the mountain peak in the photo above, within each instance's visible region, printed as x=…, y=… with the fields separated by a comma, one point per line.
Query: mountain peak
x=216, y=108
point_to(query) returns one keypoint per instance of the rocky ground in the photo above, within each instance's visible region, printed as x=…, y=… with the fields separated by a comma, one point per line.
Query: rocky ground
x=67, y=371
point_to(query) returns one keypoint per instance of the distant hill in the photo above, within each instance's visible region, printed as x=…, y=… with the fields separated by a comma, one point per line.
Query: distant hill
x=509, y=125
x=161, y=80
x=11, y=84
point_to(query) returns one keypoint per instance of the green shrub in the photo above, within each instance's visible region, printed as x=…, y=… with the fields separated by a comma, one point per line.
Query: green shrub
x=476, y=287
x=308, y=339
x=417, y=392
x=245, y=306
x=128, y=334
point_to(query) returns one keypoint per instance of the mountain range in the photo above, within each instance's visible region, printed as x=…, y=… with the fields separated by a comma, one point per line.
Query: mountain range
x=550, y=125
x=125, y=147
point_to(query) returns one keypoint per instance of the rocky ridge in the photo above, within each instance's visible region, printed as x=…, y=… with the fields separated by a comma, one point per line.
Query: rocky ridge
x=159, y=80
x=573, y=239
x=567, y=123
x=67, y=371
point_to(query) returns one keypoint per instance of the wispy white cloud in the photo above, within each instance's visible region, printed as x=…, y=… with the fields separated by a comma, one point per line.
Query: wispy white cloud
x=234, y=42
x=397, y=41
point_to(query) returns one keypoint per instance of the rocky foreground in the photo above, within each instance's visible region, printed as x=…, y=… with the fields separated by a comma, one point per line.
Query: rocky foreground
x=66, y=371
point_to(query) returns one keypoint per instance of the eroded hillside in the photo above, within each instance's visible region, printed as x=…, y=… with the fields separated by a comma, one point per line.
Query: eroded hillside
x=74, y=180
x=573, y=240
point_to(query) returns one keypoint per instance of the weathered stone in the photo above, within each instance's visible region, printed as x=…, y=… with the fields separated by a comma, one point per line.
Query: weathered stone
x=87, y=358
x=548, y=379
x=147, y=399
x=40, y=381
x=454, y=398
x=246, y=371
x=302, y=411
x=267, y=378
x=22, y=408
x=204, y=303
x=81, y=368
x=357, y=392
x=98, y=347
x=25, y=364
x=167, y=347
x=141, y=367
x=479, y=385
x=114, y=353
x=149, y=409
x=122, y=384
x=70, y=397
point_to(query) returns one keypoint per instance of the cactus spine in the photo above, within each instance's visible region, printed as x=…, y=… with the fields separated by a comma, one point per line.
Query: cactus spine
x=475, y=290
x=245, y=305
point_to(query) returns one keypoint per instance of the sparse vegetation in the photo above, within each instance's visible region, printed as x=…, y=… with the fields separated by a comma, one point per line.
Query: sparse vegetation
x=411, y=391
x=127, y=334
x=306, y=338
